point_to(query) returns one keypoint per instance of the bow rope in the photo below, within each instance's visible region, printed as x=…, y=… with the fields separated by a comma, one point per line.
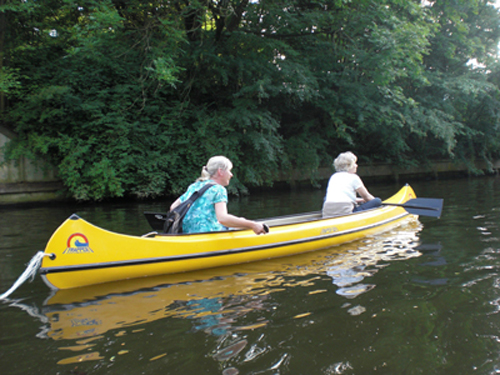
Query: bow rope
x=30, y=271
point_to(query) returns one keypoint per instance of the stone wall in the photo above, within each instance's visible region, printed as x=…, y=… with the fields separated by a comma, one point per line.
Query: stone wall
x=387, y=172
x=26, y=181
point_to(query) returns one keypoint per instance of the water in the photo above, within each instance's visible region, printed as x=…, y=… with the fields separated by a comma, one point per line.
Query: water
x=421, y=299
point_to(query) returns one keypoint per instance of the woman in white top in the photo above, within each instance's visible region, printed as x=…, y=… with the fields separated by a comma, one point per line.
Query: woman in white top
x=346, y=193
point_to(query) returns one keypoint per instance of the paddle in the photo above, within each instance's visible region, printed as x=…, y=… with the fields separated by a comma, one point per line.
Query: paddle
x=421, y=206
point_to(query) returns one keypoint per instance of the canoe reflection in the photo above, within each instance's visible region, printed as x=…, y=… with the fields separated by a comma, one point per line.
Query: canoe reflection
x=348, y=270
x=214, y=299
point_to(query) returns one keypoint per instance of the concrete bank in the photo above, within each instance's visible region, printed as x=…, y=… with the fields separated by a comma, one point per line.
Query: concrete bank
x=386, y=172
x=28, y=182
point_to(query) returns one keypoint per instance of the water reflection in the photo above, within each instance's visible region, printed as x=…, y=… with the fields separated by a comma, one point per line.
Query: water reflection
x=350, y=269
x=219, y=303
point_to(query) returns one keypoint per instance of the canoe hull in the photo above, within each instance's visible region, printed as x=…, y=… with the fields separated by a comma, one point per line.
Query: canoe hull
x=85, y=254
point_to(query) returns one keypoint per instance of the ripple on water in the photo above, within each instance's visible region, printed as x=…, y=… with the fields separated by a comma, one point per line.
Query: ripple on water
x=230, y=351
x=349, y=270
x=338, y=368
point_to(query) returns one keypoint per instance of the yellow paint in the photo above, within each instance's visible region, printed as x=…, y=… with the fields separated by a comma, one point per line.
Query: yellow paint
x=77, y=242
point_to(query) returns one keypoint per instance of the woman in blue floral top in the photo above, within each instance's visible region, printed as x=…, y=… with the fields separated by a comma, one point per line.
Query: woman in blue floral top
x=209, y=212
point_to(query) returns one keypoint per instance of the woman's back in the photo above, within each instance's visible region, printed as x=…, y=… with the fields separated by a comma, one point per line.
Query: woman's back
x=201, y=216
x=342, y=187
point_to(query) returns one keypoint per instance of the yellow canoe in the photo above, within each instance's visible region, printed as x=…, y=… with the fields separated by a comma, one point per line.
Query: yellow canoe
x=96, y=309
x=82, y=254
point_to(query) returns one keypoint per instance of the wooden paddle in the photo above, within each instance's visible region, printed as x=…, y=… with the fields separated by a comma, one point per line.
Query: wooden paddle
x=421, y=206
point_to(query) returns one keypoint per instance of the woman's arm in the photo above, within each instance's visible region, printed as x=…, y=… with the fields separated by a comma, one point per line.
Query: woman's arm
x=364, y=194
x=175, y=204
x=232, y=221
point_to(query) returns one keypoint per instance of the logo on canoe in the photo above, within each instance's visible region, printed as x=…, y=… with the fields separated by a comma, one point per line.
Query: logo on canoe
x=328, y=230
x=77, y=244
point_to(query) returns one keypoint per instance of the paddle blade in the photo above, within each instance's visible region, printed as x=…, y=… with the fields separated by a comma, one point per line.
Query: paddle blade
x=424, y=206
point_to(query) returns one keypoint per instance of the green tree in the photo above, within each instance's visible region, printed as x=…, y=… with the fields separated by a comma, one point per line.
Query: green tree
x=132, y=97
x=458, y=110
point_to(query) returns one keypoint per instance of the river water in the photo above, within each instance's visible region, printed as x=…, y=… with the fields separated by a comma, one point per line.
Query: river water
x=423, y=298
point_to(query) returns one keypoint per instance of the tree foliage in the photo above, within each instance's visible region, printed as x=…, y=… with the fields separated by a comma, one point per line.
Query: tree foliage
x=132, y=97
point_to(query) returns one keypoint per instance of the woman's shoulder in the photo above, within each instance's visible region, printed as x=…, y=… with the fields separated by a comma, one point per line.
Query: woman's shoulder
x=345, y=178
x=218, y=189
x=197, y=185
x=215, y=189
x=340, y=175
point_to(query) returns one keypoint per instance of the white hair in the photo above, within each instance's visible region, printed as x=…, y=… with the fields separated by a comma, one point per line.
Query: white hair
x=213, y=165
x=344, y=161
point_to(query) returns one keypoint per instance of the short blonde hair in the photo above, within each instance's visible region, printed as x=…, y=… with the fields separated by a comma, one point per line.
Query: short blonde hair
x=213, y=165
x=344, y=161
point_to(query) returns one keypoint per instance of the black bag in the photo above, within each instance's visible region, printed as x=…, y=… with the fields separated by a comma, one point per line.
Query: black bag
x=171, y=222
